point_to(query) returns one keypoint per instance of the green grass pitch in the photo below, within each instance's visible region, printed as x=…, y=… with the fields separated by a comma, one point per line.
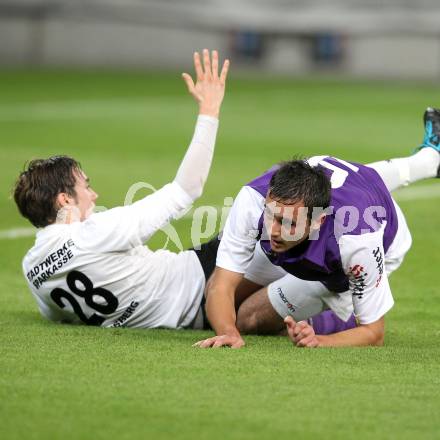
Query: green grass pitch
x=66, y=382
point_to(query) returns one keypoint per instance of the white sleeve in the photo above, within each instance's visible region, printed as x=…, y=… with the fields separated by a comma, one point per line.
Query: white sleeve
x=241, y=230
x=363, y=260
x=194, y=169
x=126, y=227
x=129, y=226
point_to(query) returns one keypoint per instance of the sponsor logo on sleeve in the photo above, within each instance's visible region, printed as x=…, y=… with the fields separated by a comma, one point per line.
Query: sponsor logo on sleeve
x=357, y=277
x=290, y=306
x=377, y=254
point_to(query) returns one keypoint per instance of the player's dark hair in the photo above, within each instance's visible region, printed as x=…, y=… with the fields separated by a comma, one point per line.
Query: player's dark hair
x=297, y=181
x=38, y=186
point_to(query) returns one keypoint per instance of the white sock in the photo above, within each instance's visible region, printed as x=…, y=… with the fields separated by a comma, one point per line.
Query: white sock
x=403, y=171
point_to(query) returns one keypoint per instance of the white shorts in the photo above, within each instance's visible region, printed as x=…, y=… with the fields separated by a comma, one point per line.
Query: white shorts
x=303, y=299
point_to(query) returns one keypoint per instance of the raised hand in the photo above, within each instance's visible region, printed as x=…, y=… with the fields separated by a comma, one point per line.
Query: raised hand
x=209, y=88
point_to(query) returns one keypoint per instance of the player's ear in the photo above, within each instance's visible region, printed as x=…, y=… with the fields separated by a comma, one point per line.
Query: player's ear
x=63, y=199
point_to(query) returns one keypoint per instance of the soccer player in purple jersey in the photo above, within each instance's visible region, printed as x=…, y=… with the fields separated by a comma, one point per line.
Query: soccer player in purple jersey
x=321, y=234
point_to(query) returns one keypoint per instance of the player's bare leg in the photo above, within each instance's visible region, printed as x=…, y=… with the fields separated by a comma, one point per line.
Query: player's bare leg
x=257, y=316
x=244, y=290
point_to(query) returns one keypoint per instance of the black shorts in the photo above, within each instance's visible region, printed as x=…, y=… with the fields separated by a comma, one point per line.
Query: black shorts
x=207, y=255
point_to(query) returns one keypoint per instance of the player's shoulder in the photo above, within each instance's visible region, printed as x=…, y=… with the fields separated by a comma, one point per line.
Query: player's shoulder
x=98, y=223
x=363, y=248
x=246, y=211
x=47, y=241
x=46, y=237
x=249, y=200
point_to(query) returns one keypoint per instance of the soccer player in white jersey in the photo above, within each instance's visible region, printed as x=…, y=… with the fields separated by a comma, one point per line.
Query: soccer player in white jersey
x=92, y=267
x=319, y=233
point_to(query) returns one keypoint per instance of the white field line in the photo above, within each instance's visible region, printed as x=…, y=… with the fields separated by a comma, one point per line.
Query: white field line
x=417, y=193
x=10, y=234
x=402, y=195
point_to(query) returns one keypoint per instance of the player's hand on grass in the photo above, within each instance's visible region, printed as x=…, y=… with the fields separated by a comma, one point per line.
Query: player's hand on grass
x=209, y=88
x=301, y=333
x=221, y=341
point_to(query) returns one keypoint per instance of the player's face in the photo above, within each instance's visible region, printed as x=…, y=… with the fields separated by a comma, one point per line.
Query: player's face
x=286, y=225
x=85, y=196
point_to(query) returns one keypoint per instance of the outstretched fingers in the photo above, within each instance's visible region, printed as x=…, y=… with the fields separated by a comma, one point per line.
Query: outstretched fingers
x=207, y=64
x=191, y=86
x=208, y=67
x=198, y=67
x=207, y=87
x=214, y=56
x=224, y=72
x=189, y=82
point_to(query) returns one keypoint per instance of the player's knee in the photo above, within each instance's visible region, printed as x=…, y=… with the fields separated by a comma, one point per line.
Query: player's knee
x=247, y=321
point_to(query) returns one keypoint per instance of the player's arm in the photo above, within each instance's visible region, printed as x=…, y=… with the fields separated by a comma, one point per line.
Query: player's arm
x=125, y=227
x=208, y=91
x=364, y=334
x=234, y=255
x=363, y=259
x=220, y=308
x=302, y=335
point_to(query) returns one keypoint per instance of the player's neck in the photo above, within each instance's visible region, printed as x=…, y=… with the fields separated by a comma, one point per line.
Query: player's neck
x=68, y=215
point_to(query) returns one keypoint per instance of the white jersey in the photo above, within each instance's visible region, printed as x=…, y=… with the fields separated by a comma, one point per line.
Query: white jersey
x=99, y=272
